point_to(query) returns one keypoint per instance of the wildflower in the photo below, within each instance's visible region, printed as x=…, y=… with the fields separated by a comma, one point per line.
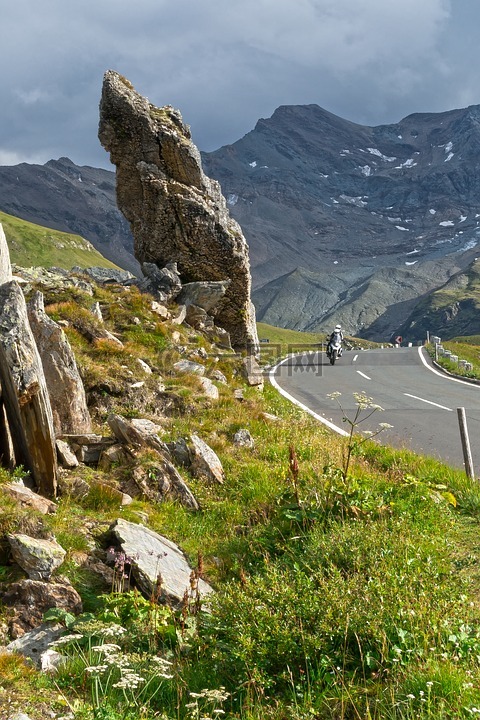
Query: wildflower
x=65, y=639
x=334, y=395
x=410, y=696
x=385, y=426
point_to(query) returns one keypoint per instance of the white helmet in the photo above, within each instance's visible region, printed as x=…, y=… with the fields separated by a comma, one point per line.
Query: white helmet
x=338, y=328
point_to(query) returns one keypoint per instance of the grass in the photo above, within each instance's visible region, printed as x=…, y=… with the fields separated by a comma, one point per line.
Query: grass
x=34, y=245
x=342, y=592
x=466, y=349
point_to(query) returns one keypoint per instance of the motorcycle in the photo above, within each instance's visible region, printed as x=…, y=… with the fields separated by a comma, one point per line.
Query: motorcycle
x=334, y=348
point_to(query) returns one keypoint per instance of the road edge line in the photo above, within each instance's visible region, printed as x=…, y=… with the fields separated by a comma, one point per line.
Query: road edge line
x=294, y=401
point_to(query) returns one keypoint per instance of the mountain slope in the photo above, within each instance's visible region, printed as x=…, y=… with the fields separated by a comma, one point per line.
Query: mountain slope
x=31, y=244
x=78, y=200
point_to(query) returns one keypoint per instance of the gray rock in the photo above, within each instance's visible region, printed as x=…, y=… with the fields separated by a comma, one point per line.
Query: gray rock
x=205, y=463
x=252, y=372
x=38, y=558
x=218, y=376
x=67, y=458
x=28, y=600
x=242, y=438
x=153, y=556
x=24, y=392
x=174, y=210
x=27, y=498
x=210, y=390
x=187, y=366
x=64, y=384
x=160, y=310
x=34, y=643
x=137, y=432
x=97, y=312
x=107, y=275
x=205, y=295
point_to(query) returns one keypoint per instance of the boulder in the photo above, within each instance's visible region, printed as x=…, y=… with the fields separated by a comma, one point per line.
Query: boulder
x=64, y=384
x=27, y=498
x=205, y=295
x=30, y=599
x=242, y=438
x=34, y=643
x=175, y=211
x=24, y=392
x=204, y=461
x=154, y=557
x=38, y=558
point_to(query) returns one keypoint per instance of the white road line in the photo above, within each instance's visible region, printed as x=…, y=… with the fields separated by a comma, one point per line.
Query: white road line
x=415, y=397
x=354, y=358
x=363, y=375
x=443, y=375
x=283, y=392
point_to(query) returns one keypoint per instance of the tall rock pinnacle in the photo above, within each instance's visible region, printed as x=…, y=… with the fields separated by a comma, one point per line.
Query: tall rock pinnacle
x=176, y=213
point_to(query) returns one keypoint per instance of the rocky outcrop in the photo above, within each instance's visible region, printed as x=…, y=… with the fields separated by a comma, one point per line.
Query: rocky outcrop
x=65, y=386
x=24, y=392
x=176, y=213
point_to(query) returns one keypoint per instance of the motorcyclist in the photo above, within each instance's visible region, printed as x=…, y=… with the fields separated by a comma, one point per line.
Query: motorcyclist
x=335, y=336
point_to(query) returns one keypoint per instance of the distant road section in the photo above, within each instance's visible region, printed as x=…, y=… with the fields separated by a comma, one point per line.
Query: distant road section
x=418, y=400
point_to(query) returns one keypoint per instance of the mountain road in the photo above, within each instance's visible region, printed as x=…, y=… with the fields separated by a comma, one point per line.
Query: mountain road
x=419, y=401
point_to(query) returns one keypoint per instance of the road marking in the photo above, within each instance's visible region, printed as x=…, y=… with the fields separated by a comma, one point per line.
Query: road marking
x=429, y=402
x=363, y=375
x=355, y=358
x=444, y=375
x=283, y=392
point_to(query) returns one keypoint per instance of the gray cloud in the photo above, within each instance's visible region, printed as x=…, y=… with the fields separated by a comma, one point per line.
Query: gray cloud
x=226, y=64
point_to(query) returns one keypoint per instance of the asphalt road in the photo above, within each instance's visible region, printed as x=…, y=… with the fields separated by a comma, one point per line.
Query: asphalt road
x=419, y=401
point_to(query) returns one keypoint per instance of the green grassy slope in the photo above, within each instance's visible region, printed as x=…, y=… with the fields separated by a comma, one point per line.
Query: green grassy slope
x=34, y=245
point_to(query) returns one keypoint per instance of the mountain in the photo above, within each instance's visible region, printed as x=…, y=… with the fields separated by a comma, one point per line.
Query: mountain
x=349, y=221
x=344, y=222
x=78, y=200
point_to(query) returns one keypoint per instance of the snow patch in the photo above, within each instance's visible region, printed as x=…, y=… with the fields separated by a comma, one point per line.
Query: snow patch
x=374, y=151
x=446, y=223
x=407, y=164
x=463, y=218
x=366, y=170
x=357, y=201
x=448, y=146
x=412, y=252
x=399, y=227
x=412, y=262
x=432, y=211
x=253, y=164
x=449, y=157
x=232, y=199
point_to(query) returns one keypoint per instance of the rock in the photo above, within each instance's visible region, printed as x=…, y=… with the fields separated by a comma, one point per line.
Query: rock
x=66, y=457
x=104, y=276
x=242, y=438
x=51, y=660
x=97, y=312
x=205, y=295
x=88, y=447
x=24, y=392
x=30, y=599
x=204, y=461
x=187, y=366
x=181, y=315
x=145, y=367
x=239, y=395
x=5, y=266
x=218, y=376
x=65, y=386
x=162, y=481
x=153, y=556
x=269, y=417
x=163, y=282
x=160, y=310
x=27, y=498
x=137, y=432
x=38, y=558
x=174, y=210
x=252, y=372
x=115, y=454
x=210, y=390
x=37, y=641
x=180, y=452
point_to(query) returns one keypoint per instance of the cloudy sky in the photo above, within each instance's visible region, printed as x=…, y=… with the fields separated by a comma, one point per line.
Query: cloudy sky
x=226, y=63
